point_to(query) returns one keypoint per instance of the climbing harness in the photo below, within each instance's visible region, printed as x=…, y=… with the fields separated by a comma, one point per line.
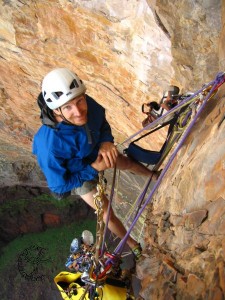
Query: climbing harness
x=97, y=271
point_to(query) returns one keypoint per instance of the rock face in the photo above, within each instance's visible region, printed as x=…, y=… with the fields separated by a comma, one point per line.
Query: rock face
x=194, y=29
x=127, y=54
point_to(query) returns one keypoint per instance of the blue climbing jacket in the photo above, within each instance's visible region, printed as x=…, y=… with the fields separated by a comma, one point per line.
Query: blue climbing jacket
x=64, y=152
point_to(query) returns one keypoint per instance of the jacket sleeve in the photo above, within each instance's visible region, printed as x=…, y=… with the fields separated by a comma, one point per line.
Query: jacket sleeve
x=63, y=174
x=61, y=180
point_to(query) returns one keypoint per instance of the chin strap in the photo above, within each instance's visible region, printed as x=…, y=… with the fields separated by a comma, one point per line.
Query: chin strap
x=64, y=119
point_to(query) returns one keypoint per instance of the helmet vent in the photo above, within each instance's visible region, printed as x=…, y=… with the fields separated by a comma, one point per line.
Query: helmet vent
x=48, y=100
x=57, y=95
x=74, y=84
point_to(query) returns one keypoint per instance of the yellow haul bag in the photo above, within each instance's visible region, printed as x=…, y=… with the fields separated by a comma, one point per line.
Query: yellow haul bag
x=72, y=288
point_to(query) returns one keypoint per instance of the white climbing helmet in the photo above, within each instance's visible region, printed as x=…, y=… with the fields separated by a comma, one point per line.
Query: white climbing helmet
x=60, y=86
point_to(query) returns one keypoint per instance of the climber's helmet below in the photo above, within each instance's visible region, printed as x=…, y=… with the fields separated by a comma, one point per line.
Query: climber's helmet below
x=60, y=86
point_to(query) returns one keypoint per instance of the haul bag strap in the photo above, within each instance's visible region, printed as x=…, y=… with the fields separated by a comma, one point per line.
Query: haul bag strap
x=142, y=155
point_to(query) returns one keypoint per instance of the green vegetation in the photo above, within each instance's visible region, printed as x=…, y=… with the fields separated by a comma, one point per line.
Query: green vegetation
x=13, y=206
x=44, y=198
x=18, y=205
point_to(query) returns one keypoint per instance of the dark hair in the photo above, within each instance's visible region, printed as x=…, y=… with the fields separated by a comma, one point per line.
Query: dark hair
x=154, y=105
x=45, y=110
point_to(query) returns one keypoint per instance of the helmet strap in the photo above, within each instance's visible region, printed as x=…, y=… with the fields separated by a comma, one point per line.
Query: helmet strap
x=64, y=119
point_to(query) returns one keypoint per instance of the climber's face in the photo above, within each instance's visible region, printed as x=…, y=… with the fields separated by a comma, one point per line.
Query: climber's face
x=74, y=111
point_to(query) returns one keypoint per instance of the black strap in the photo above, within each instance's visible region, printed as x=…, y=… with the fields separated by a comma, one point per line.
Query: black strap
x=88, y=133
x=146, y=134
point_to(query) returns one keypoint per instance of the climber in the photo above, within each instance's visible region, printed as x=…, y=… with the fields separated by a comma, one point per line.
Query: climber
x=75, y=143
x=157, y=109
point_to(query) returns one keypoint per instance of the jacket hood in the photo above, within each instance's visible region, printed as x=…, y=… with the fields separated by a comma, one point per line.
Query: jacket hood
x=46, y=115
x=46, y=120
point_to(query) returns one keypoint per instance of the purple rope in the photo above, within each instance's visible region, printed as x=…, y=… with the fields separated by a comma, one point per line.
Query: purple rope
x=215, y=83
